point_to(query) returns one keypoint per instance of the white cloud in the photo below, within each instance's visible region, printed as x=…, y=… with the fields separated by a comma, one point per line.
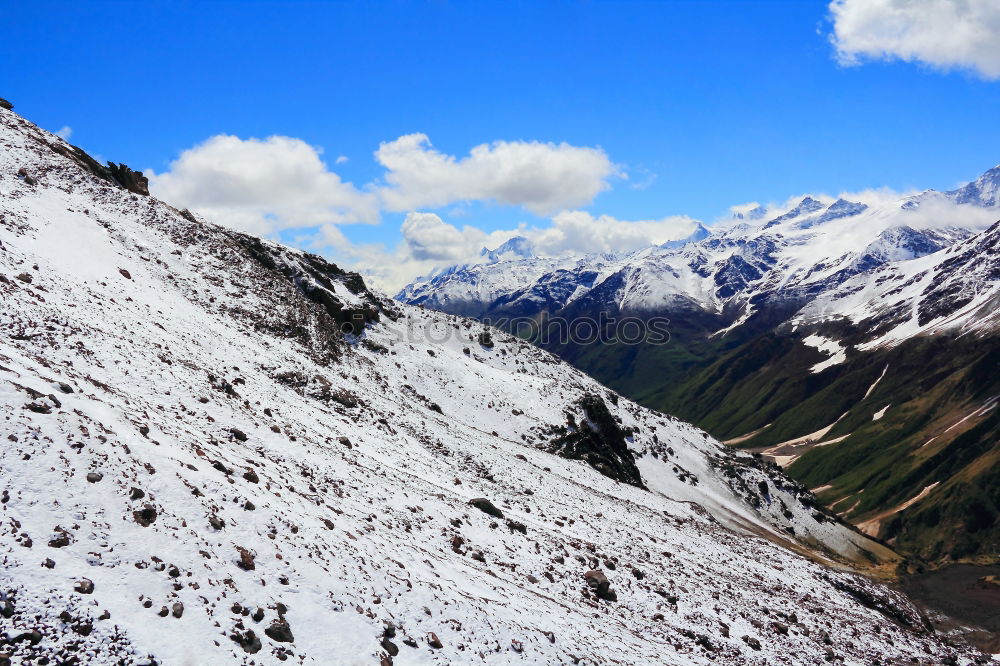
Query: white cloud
x=941, y=33
x=261, y=185
x=342, y=159
x=430, y=243
x=64, y=132
x=542, y=177
x=579, y=232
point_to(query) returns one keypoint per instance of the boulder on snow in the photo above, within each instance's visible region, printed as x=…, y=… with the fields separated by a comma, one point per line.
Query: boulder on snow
x=600, y=585
x=486, y=507
x=280, y=631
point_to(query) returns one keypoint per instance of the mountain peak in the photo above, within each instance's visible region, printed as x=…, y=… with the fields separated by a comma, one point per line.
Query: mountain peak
x=807, y=205
x=517, y=247
x=700, y=232
x=983, y=191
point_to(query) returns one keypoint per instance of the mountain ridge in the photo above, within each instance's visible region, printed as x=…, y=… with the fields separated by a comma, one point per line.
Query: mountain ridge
x=222, y=450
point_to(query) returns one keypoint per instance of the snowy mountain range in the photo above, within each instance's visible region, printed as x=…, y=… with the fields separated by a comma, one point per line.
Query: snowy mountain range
x=221, y=450
x=826, y=291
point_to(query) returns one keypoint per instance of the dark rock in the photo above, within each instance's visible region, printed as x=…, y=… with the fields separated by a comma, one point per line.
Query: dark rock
x=125, y=274
x=248, y=641
x=4, y=104
x=600, y=585
x=238, y=435
x=486, y=507
x=434, y=641
x=599, y=441
x=134, y=493
x=390, y=647
x=251, y=476
x=163, y=611
x=133, y=181
x=246, y=559
x=34, y=637
x=177, y=609
x=257, y=615
x=145, y=516
x=752, y=642
x=94, y=477
x=49, y=563
x=515, y=526
x=7, y=610
x=61, y=540
x=85, y=586
x=280, y=631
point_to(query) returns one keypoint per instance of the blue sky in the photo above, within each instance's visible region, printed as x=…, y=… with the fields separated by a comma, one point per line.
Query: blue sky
x=700, y=104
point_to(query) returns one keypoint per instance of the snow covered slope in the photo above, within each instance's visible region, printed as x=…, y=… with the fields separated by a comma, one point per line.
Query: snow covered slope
x=218, y=450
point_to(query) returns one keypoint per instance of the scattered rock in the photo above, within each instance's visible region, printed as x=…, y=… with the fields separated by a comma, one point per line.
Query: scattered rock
x=752, y=642
x=390, y=647
x=251, y=476
x=34, y=637
x=85, y=586
x=134, y=493
x=246, y=560
x=4, y=104
x=145, y=516
x=434, y=641
x=238, y=435
x=600, y=585
x=61, y=540
x=280, y=632
x=248, y=641
x=177, y=609
x=486, y=507
x=125, y=274
x=94, y=477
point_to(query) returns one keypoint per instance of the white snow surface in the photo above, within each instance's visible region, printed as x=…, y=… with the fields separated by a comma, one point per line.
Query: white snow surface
x=156, y=354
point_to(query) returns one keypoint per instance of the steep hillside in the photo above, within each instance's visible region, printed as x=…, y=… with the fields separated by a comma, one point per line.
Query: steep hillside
x=219, y=450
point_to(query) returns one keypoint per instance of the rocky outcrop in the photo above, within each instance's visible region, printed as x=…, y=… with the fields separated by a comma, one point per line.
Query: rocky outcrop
x=131, y=180
x=597, y=440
